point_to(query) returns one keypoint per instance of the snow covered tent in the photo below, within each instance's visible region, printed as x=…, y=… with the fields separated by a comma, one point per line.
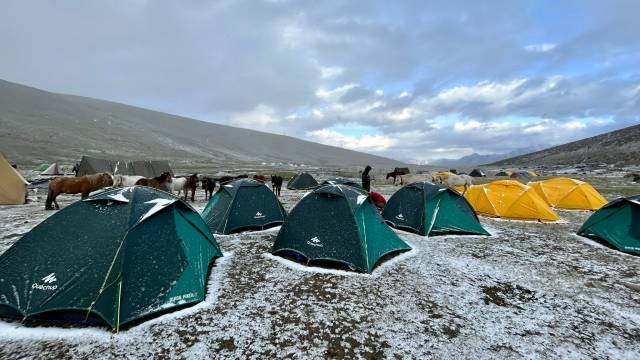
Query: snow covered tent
x=570, y=194
x=428, y=209
x=53, y=169
x=112, y=258
x=302, y=181
x=617, y=223
x=342, y=181
x=13, y=187
x=477, y=173
x=149, y=169
x=509, y=199
x=338, y=224
x=241, y=205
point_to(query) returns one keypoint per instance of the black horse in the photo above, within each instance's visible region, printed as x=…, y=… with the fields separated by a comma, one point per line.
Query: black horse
x=208, y=185
x=276, y=184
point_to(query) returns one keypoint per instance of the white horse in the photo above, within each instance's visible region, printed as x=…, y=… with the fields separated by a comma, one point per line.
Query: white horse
x=451, y=180
x=178, y=184
x=125, y=180
x=411, y=178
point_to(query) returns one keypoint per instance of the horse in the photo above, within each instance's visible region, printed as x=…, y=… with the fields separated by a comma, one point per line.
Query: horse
x=260, y=178
x=124, y=180
x=208, y=185
x=395, y=175
x=83, y=185
x=177, y=184
x=450, y=180
x=276, y=184
x=191, y=184
x=162, y=182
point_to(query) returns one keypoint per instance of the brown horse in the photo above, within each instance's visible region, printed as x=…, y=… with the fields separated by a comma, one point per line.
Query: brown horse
x=191, y=184
x=161, y=182
x=395, y=175
x=83, y=185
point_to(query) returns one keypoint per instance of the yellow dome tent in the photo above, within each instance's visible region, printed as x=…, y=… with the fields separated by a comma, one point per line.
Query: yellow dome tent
x=13, y=187
x=570, y=194
x=509, y=199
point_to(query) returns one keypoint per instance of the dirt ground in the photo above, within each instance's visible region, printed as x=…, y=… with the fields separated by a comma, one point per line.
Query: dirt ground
x=531, y=290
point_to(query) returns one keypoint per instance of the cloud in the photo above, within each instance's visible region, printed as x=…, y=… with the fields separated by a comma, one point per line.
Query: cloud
x=371, y=143
x=429, y=77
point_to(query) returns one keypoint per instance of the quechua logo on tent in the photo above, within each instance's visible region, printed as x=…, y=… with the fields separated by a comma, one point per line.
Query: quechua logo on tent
x=259, y=215
x=400, y=217
x=315, y=242
x=49, y=279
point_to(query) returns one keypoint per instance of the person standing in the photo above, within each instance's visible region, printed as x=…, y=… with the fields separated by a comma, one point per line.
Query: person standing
x=366, y=178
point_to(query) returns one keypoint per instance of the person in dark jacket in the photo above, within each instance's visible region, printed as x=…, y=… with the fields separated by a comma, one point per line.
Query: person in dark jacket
x=366, y=179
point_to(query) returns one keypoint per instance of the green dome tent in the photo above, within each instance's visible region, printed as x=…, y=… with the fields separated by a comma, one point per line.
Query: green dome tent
x=617, y=223
x=337, y=224
x=115, y=257
x=242, y=205
x=427, y=209
x=302, y=181
x=342, y=181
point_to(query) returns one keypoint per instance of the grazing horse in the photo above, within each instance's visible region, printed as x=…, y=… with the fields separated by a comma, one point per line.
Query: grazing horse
x=208, y=185
x=162, y=182
x=83, y=185
x=395, y=175
x=177, y=184
x=124, y=180
x=276, y=184
x=260, y=178
x=450, y=180
x=191, y=184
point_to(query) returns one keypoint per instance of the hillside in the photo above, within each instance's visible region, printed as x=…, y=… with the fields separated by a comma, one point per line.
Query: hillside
x=620, y=147
x=37, y=125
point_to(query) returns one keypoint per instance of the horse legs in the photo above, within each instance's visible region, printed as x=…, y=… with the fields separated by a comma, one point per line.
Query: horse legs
x=193, y=194
x=50, y=198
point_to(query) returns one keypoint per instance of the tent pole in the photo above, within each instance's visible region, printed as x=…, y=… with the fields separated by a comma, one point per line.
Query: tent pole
x=119, y=302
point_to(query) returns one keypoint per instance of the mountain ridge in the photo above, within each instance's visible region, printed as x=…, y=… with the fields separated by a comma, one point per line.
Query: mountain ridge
x=619, y=147
x=37, y=125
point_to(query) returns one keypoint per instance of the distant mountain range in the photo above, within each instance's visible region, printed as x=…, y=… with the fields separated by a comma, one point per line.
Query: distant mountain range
x=620, y=147
x=39, y=126
x=476, y=159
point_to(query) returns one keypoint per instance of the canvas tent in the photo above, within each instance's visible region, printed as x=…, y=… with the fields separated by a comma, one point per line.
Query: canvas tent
x=617, y=223
x=428, y=209
x=302, y=181
x=13, y=187
x=149, y=169
x=477, y=173
x=570, y=194
x=115, y=257
x=242, y=205
x=509, y=199
x=337, y=224
x=342, y=181
x=53, y=169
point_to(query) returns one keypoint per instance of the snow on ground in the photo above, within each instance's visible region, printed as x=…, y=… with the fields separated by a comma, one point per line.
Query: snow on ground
x=532, y=290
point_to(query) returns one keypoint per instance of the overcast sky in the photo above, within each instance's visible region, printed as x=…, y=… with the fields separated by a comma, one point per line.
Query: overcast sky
x=412, y=80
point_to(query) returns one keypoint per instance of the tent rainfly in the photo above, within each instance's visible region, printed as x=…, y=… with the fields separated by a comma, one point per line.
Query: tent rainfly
x=570, y=194
x=337, y=224
x=617, y=223
x=241, y=205
x=53, y=169
x=148, y=169
x=13, y=187
x=428, y=209
x=509, y=199
x=302, y=181
x=113, y=258
x=342, y=181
